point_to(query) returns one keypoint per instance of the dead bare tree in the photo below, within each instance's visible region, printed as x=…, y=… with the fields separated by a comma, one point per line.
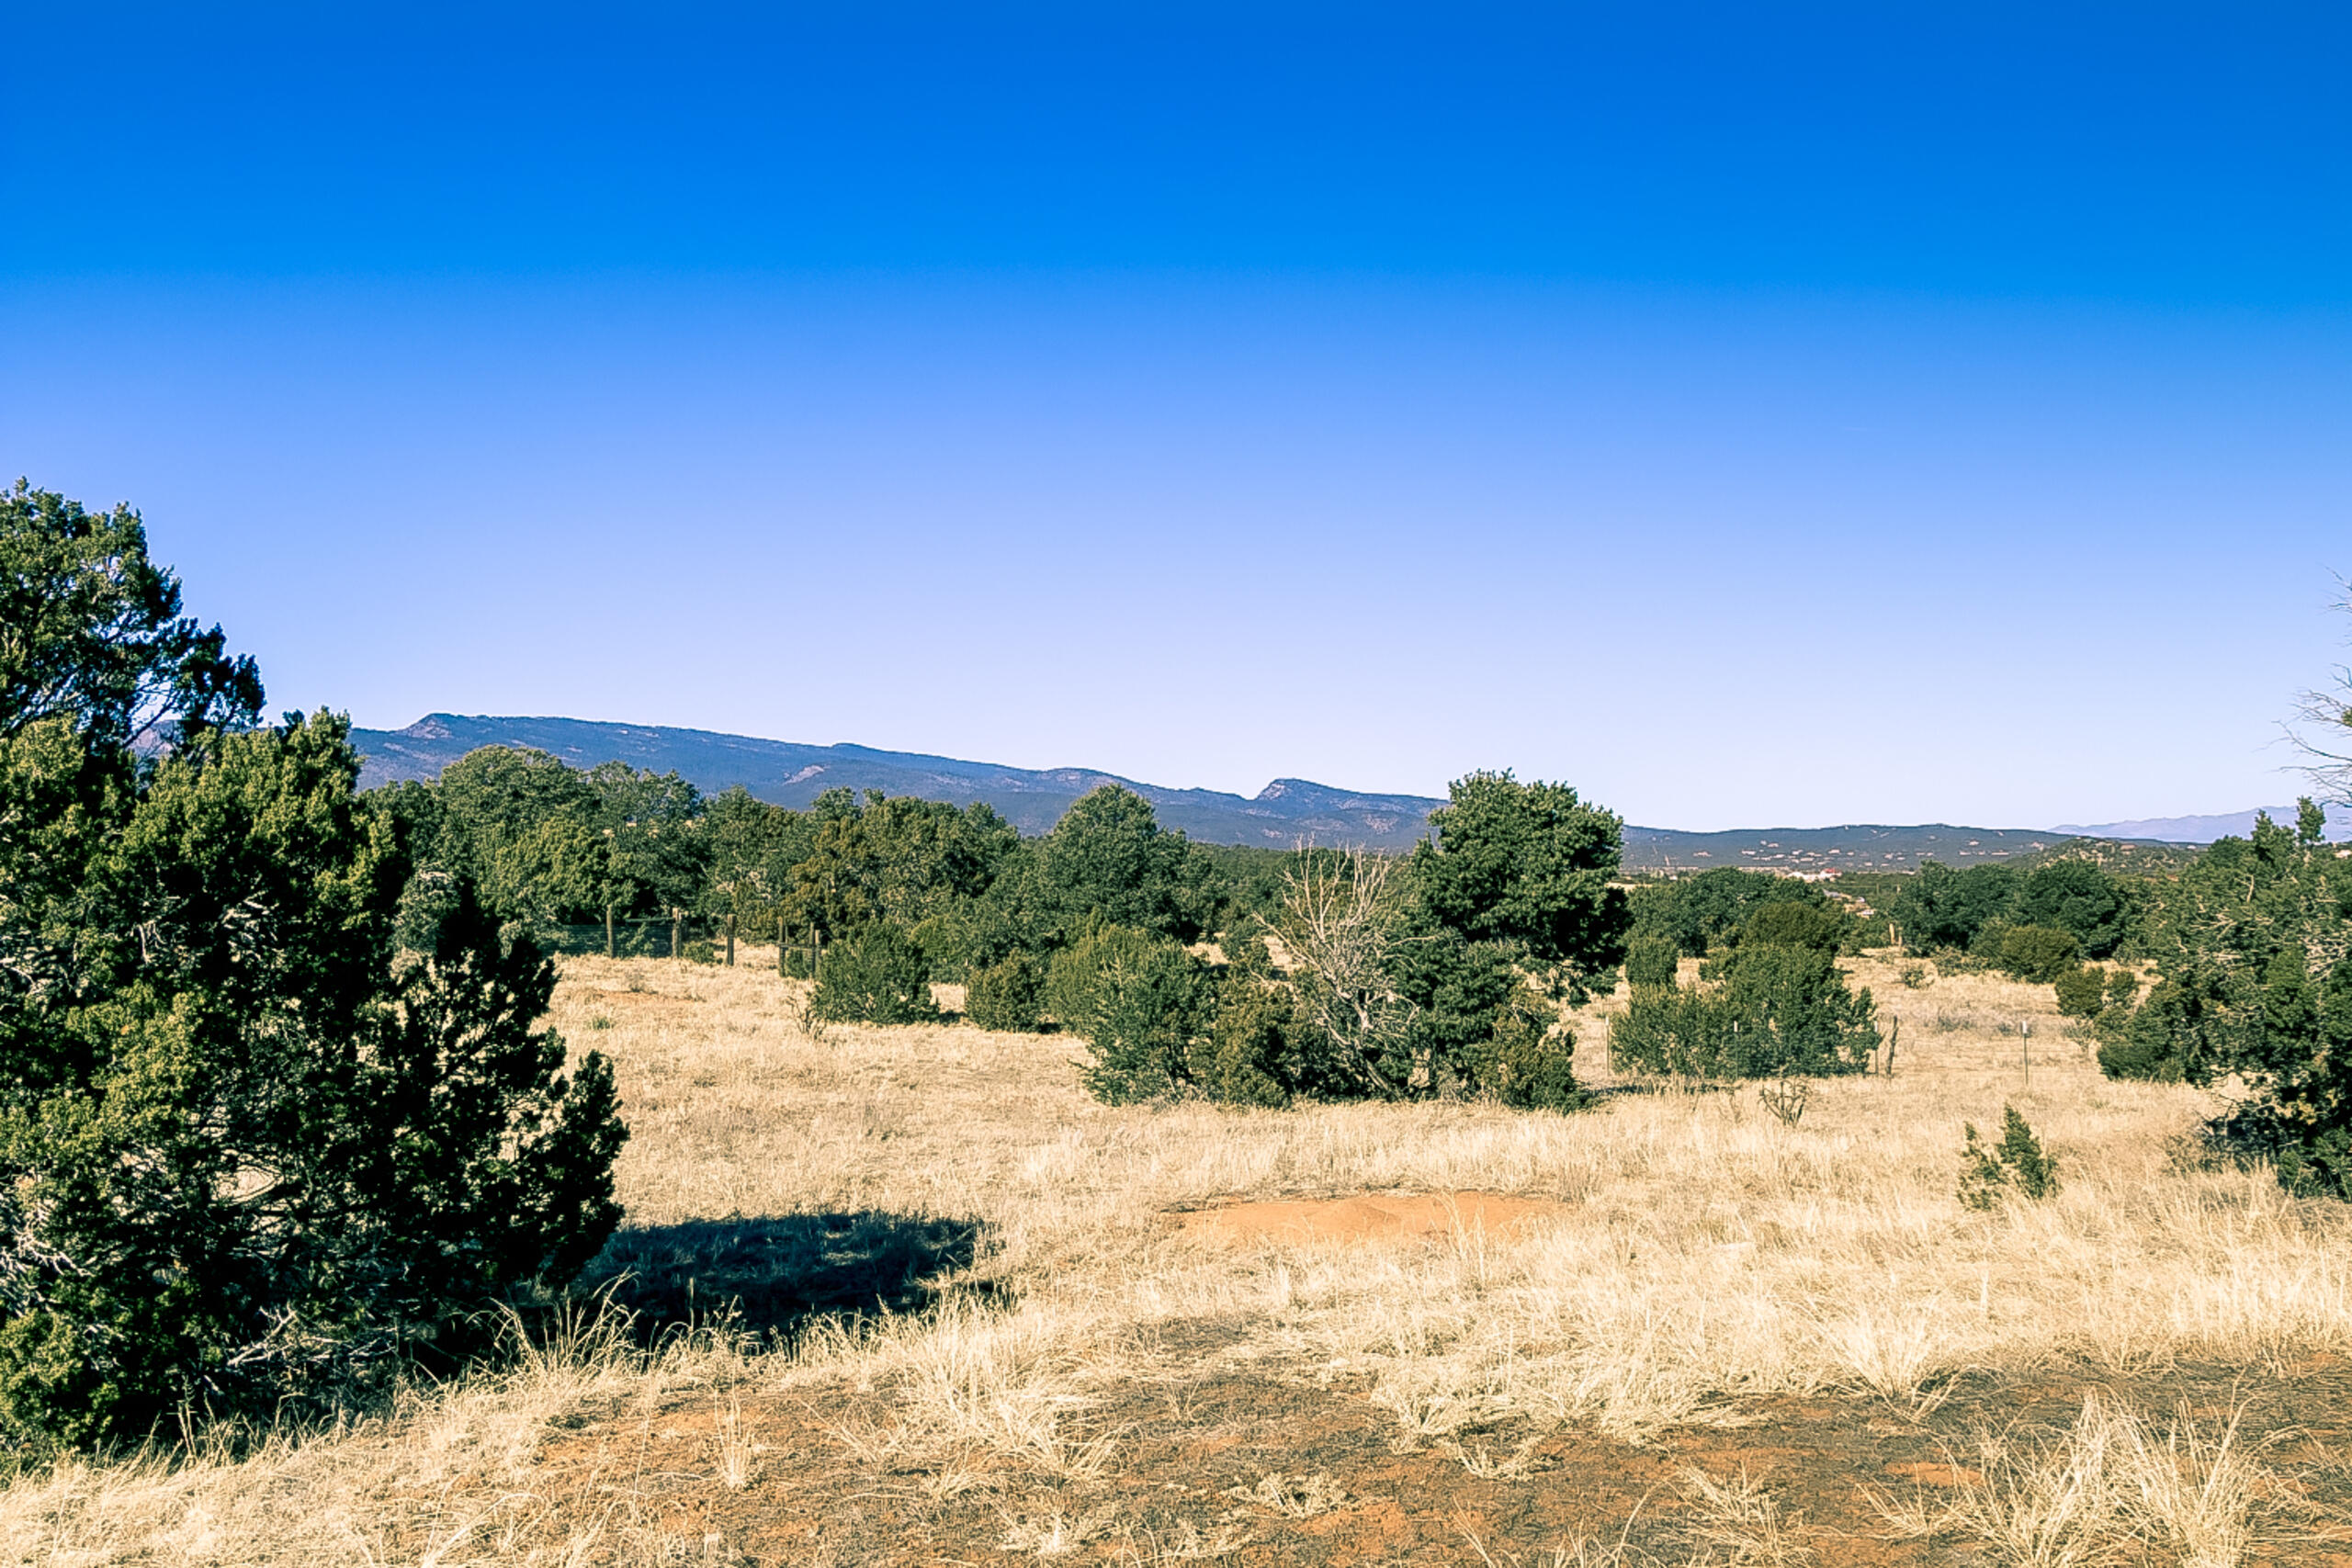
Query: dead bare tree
x=2321, y=721
x=1339, y=927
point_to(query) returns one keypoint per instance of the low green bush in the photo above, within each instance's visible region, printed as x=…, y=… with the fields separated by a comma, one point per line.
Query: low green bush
x=1759, y=1011
x=2140, y=1060
x=1529, y=1062
x=2038, y=954
x=1245, y=1057
x=2017, y=1163
x=1794, y=924
x=1007, y=996
x=874, y=974
x=1138, y=1000
x=2082, y=991
x=2143, y=1043
x=1244, y=947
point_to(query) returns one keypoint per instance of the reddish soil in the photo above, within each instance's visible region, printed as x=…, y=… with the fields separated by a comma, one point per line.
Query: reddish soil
x=1192, y=1443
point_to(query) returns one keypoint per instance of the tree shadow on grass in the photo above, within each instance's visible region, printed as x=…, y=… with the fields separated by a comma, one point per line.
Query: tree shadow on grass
x=773, y=1274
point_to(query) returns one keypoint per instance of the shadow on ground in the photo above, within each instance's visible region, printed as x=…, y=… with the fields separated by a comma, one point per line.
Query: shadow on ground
x=774, y=1273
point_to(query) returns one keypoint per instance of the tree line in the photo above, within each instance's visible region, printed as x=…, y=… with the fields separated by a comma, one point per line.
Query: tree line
x=1768, y=998
x=1400, y=975
x=1414, y=976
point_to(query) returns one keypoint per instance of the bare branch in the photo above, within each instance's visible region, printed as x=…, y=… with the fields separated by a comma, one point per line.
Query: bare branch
x=1339, y=926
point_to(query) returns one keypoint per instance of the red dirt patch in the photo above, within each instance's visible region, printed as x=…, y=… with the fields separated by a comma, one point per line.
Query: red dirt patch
x=1937, y=1474
x=1370, y=1217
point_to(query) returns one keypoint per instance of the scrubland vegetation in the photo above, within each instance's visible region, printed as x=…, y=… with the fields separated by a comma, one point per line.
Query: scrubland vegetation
x=880, y=1214
x=1703, y=1260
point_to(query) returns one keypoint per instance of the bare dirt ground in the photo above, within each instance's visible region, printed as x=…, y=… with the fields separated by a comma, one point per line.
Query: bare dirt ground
x=907, y=1296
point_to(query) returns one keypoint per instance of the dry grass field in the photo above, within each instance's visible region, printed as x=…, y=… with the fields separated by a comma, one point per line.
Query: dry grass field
x=983, y=1319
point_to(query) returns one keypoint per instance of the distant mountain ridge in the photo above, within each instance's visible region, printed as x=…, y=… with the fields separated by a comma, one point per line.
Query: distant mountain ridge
x=787, y=774
x=1285, y=813
x=2200, y=830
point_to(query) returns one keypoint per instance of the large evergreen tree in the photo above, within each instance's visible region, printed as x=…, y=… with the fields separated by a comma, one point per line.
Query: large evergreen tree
x=657, y=856
x=522, y=825
x=2254, y=950
x=2076, y=896
x=1419, y=983
x=1108, y=859
x=1527, y=868
x=274, y=1107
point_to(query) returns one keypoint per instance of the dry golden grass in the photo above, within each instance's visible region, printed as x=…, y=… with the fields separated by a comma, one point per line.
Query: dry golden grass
x=1707, y=1254
x=2115, y=1482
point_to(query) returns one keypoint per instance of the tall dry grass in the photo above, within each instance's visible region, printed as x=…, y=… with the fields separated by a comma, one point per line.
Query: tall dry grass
x=1703, y=1252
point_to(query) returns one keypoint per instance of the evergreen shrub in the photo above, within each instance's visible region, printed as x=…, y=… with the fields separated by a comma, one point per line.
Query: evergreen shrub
x=1651, y=959
x=277, y=1118
x=1758, y=1012
x=1137, y=1000
x=1244, y=947
x=2017, y=1163
x=1529, y=1061
x=2143, y=1043
x=2082, y=991
x=1246, y=1060
x=874, y=974
x=2038, y=954
x=1794, y=924
x=1008, y=995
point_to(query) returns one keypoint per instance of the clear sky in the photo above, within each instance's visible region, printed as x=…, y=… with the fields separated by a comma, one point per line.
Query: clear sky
x=1750, y=414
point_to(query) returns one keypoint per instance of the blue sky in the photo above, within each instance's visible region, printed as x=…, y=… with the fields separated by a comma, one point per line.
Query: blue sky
x=1750, y=414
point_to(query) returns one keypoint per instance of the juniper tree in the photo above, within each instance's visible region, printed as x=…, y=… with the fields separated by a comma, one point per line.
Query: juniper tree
x=1760, y=1010
x=656, y=852
x=1413, y=976
x=275, y=1107
x=873, y=973
x=1139, y=1001
x=2252, y=946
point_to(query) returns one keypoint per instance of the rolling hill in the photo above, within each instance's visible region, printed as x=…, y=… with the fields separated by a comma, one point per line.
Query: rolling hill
x=1852, y=847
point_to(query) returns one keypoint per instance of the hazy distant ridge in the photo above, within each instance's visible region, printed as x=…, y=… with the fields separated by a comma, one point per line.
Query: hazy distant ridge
x=1286, y=812
x=2200, y=830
